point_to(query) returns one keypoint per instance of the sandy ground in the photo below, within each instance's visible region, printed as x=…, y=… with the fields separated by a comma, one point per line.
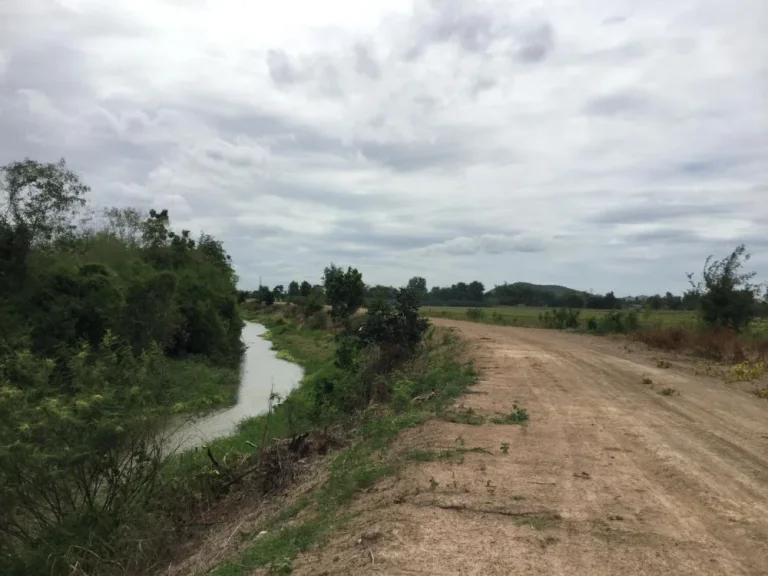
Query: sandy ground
x=608, y=477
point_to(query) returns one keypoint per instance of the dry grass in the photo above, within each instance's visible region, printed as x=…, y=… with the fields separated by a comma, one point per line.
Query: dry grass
x=722, y=346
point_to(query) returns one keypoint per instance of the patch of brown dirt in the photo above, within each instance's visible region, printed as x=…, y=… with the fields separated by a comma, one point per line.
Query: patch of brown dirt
x=608, y=476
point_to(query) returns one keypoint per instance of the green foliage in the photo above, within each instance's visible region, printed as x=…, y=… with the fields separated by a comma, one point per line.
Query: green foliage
x=400, y=327
x=561, y=318
x=727, y=297
x=105, y=332
x=475, y=314
x=615, y=322
x=418, y=286
x=343, y=290
x=517, y=416
x=41, y=198
x=265, y=296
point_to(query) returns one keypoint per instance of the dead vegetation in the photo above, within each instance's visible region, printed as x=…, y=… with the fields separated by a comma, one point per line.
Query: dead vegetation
x=725, y=346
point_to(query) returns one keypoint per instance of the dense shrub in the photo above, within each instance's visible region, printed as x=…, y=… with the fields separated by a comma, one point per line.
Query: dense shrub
x=561, y=318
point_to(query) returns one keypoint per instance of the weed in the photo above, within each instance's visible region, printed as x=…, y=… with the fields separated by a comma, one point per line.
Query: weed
x=668, y=392
x=761, y=392
x=459, y=440
x=746, y=372
x=433, y=484
x=505, y=447
x=647, y=381
x=462, y=416
x=517, y=497
x=663, y=364
x=517, y=416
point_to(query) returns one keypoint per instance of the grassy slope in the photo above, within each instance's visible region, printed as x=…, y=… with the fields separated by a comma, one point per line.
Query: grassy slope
x=356, y=467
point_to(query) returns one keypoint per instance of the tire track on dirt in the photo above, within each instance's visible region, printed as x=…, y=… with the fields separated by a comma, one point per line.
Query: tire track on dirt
x=606, y=478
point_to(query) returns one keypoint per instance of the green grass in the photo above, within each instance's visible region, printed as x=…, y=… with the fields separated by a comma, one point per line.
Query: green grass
x=354, y=468
x=517, y=416
x=529, y=316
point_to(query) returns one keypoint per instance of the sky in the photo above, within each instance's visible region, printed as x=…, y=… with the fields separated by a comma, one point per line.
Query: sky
x=600, y=145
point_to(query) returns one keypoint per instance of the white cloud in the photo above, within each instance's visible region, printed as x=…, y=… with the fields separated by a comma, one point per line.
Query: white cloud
x=601, y=145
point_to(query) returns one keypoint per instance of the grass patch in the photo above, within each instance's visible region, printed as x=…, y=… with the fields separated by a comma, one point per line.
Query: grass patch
x=517, y=416
x=533, y=317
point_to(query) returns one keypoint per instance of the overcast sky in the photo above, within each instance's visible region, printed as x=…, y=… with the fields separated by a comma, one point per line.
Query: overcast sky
x=609, y=145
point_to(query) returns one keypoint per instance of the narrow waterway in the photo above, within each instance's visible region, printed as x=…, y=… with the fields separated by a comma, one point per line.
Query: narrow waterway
x=260, y=373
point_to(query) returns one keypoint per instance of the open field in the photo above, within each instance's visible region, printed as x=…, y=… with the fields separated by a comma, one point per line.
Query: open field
x=573, y=455
x=529, y=316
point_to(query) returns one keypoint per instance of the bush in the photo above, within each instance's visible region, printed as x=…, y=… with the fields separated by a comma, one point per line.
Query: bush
x=561, y=318
x=344, y=291
x=475, y=314
x=728, y=299
x=399, y=326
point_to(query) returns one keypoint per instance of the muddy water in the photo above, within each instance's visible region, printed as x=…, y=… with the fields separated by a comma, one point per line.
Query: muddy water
x=261, y=372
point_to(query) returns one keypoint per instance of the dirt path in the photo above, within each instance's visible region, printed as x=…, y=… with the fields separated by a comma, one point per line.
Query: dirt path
x=608, y=476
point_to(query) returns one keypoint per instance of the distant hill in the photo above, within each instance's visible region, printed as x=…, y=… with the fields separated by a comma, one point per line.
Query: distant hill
x=556, y=289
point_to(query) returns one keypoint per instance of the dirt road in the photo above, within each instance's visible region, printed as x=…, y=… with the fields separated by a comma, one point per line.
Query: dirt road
x=608, y=477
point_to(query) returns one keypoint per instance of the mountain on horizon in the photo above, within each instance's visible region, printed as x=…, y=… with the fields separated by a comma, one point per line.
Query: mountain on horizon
x=556, y=289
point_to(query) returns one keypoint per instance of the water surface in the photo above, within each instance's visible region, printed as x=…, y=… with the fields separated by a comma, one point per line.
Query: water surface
x=260, y=372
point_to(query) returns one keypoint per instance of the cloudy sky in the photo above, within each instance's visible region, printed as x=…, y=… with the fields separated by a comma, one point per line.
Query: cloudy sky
x=593, y=143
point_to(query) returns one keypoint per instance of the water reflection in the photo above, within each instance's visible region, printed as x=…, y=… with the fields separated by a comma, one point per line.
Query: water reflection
x=260, y=372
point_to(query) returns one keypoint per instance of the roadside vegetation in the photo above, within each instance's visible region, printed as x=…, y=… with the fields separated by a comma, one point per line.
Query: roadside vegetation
x=112, y=324
x=109, y=324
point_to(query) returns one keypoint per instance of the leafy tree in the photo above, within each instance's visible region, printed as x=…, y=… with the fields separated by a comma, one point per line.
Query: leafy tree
x=418, y=286
x=265, y=296
x=305, y=289
x=278, y=292
x=43, y=198
x=293, y=290
x=400, y=326
x=728, y=297
x=344, y=290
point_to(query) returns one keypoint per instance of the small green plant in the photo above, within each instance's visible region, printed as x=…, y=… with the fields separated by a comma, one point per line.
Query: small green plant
x=647, y=381
x=517, y=416
x=663, y=364
x=761, y=392
x=462, y=416
x=517, y=497
x=433, y=484
x=505, y=447
x=668, y=392
x=459, y=440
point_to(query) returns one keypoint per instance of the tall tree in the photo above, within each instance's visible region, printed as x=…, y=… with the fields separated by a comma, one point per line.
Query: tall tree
x=43, y=198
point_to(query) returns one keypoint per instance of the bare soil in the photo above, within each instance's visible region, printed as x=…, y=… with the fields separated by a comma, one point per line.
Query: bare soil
x=608, y=477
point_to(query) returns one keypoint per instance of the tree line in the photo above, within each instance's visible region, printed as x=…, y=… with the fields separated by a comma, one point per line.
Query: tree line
x=474, y=294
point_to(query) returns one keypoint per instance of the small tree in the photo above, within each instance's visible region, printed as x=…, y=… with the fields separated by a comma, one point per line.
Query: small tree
x=343, y=290
x=265, y=296
x=293, y=290
x=418, y=285
x=305, y=289
x=727, y=297
x=43, y=198
x=278, y=292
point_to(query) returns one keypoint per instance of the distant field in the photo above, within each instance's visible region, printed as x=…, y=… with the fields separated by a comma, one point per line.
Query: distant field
x=525, y=316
